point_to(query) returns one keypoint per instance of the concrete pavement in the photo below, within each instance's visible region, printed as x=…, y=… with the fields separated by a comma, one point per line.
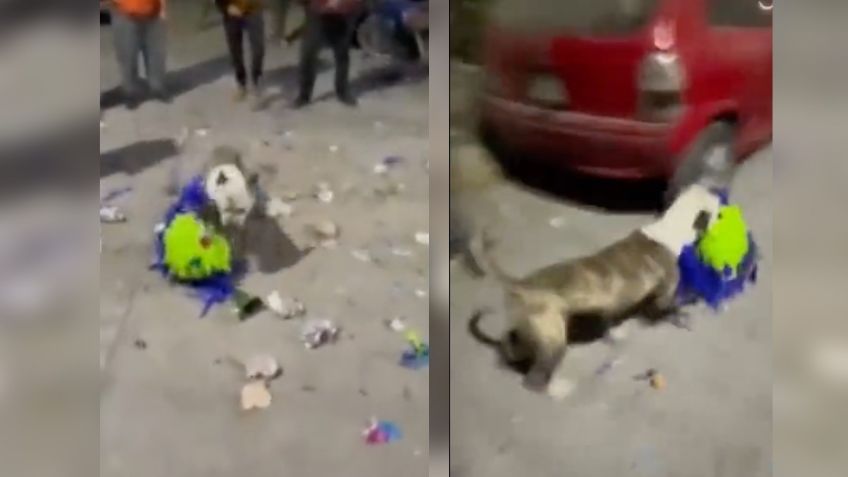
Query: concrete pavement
x=714, y=418
x=171, y=408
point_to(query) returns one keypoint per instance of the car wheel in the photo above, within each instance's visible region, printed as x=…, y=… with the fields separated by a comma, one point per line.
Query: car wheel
x=710, y=161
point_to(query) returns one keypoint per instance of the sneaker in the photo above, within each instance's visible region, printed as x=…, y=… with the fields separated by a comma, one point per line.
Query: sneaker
x=240, y=94
x=300, y=102
x=161, y=96
x=348, y=100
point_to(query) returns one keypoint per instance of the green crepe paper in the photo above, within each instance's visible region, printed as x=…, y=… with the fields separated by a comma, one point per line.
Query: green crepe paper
x=725, y=243
x=186, y=257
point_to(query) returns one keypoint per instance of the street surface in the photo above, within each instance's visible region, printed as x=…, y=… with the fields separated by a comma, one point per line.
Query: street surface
x=713, y=418
x=170, y=397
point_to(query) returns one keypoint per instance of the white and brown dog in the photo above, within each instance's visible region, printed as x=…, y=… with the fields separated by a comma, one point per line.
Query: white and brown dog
x=233, y=191
x=636, y=273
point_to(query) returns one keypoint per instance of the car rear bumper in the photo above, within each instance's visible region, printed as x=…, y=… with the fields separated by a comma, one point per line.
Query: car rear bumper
x=598, y=146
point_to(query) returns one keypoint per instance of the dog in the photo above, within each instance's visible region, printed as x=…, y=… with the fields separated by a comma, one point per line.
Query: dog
x=234, y=193
x=636, y=273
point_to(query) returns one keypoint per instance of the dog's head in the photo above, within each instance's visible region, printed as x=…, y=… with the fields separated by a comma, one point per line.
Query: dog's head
x=232, y=192
x=686, y=219
x=516, y=351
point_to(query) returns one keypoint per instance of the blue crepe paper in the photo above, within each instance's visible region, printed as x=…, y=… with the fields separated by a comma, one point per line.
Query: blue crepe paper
x=213, y=290
x=416, y=358
x=699, y=281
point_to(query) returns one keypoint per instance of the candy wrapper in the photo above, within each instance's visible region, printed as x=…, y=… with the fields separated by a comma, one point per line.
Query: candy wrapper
x=381, y=432
x=418, y=354
x=318, y=333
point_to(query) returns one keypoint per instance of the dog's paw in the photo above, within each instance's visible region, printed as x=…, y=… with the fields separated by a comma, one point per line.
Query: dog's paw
x=561, y=388
x=681, y=319
x=536, y=382
x=617, y=334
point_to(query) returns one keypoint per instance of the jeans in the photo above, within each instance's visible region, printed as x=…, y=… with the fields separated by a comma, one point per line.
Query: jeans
x=235, y=28
x=335, y=30
x=145, y=38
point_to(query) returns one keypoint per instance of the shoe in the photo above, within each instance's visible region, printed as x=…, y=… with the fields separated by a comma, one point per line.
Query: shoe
x=348, y=100
x=132, y=102
x=161, y=96
x=257, y=99
x=300, y=102
x=240, y=94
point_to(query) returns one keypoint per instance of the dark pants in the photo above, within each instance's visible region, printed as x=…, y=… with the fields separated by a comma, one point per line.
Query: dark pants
x=335, y=31
x=235, y=28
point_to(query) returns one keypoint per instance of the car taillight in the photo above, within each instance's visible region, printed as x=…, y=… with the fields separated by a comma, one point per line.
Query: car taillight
x=661, y=82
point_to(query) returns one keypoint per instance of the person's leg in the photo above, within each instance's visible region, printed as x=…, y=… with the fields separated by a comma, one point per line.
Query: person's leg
x=255, y=25
x=311, y=46
x=154, y=50
x=233, y=29
x=126, y=50
x=341, y=36
x=280, y=12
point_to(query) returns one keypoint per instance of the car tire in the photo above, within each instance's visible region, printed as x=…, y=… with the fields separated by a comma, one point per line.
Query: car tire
x=491, y=141
x=710, y=161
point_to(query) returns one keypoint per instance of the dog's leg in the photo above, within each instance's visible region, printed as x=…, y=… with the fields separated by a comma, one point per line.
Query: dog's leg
x=665, y=306
x=549, y=334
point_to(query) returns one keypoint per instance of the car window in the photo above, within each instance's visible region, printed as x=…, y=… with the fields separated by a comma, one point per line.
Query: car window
x=598, y=17
x=740, y=13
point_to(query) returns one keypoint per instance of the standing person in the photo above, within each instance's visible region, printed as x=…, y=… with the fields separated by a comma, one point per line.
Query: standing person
x=240, y=17
x=138, y=29
x=280, y=12
x=328, y=22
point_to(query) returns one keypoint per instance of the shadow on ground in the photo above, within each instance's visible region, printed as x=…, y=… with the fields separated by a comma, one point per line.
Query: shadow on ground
x=620, y=196
x=58, y=159
x=542, y=175
x=383, y=78
x=270, y=247
x=179, y=82
x=136, y=157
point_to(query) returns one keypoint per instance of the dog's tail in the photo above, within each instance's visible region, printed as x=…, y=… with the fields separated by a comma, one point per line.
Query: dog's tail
x=481, y=252
x=477, y=333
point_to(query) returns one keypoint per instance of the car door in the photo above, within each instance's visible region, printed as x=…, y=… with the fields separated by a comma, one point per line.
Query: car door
x=739, y=44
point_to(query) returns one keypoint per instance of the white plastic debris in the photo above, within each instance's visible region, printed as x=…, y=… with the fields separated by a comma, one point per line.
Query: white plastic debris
x=255, y=395
x=324, y=193
x=317, y=333
x=324, y=231
x=334, y=148
x=422, y=238
x=401, y=252
x=361, y=255
x=557, y=222
x=325, y=196
x=397, y=324
x=285, y=308
x=261, y=366
x=111, y=215
x=277, y=208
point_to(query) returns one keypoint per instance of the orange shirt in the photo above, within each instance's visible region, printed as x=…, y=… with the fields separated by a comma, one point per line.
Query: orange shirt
x=140, y=8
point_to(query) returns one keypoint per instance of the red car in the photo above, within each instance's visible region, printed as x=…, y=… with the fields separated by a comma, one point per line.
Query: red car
x=632, y=89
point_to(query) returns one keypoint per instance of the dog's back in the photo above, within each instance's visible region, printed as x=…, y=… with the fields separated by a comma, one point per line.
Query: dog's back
x=614, y=279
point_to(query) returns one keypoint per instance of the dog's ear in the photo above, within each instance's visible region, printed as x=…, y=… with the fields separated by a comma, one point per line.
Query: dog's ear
x=702, y=221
